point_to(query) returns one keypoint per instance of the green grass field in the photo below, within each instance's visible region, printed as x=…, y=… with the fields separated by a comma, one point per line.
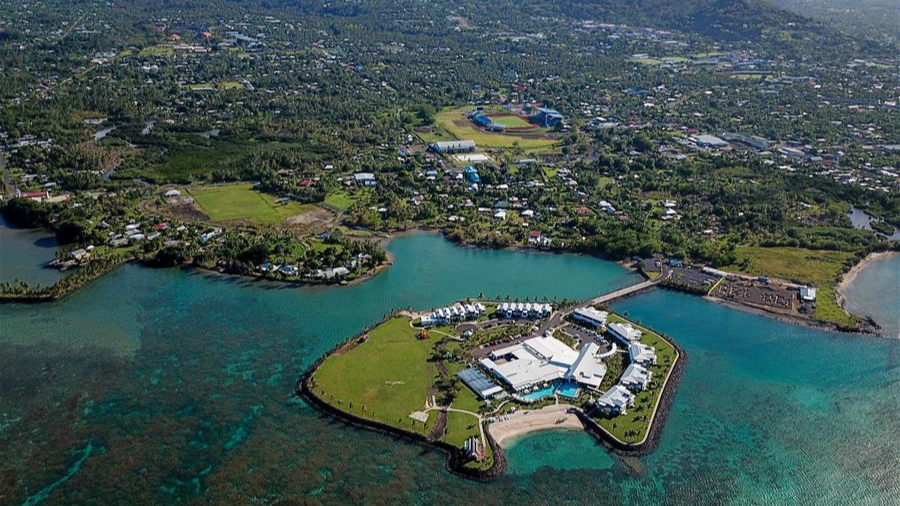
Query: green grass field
x=632, y=426
x=389, y=375
x=513, y=122
x=241, y=202
x=821, y=267
x=446, y=120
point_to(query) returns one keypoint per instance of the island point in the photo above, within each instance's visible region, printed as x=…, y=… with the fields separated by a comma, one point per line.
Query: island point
x=470, y=377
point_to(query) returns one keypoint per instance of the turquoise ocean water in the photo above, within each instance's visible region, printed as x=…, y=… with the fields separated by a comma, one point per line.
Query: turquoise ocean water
x=175, y=387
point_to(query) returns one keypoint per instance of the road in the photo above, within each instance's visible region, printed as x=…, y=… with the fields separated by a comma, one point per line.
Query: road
x=624, y=292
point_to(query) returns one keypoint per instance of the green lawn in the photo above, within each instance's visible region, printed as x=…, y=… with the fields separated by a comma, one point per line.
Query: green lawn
x=341, y=199
x=821, y=267
x=241, y=202
x=632, y=426
x=389, y=375
x=445, y=119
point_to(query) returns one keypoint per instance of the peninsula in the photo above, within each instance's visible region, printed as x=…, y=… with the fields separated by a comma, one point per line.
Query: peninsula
x=469, y=377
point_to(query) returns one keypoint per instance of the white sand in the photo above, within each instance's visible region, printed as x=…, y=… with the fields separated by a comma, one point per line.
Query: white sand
x=524, y=421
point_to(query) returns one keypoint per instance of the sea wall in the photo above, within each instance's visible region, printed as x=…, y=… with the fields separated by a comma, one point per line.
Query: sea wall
x=654, y=432
x=456, y=458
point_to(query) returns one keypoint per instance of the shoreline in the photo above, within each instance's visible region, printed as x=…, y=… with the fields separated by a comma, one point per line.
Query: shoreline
x=848, y=277
x=800, y=322
x=455, y=457
x=525, y=421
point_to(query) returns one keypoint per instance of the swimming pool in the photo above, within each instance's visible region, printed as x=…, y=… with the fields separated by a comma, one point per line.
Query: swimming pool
x=568, y=389
x=564, y=388
x=540, y=394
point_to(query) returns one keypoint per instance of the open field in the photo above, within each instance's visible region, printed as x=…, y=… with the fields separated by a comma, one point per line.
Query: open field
x=511, y=120
x=632, y=426
x=384, y=379
x=341, y=199
x=241, y=202
x=821, y=267
x=454, y=122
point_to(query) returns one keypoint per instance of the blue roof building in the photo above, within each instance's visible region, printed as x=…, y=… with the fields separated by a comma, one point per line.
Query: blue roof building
x=481, y=120
x=546, y=117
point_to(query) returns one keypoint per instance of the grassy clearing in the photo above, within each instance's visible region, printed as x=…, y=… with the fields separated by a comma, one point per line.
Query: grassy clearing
x=341, y=199
x=446, y=118
x=632, y=426
x=157, y=51
x=384, y=379
x=241, y=202
x=824, y=268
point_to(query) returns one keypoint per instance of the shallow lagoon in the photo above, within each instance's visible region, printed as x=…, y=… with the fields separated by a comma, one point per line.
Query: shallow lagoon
x=177, y=385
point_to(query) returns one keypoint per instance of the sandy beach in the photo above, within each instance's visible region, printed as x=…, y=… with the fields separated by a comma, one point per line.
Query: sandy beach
x=848, y=278
x=524, y=421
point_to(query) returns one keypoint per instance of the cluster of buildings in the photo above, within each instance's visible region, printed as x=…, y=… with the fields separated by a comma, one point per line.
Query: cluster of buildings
x=524, y=310
x=455, y=313
x=541, y=360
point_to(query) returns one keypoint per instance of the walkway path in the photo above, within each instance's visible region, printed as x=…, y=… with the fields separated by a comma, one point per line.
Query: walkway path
x=623, y=292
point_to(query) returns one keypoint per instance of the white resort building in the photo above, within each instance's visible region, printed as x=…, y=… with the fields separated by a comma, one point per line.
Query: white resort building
x=616, y=400
x=636, y=378
x=455, y=313
x=542, y=360
x=524, y=310
x=624, y=332
x=590, y=316
x=640, y=353
x=588, y=368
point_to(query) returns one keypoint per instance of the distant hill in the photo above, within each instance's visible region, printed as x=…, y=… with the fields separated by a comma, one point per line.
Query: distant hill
x=870, y=18
x=718, y=19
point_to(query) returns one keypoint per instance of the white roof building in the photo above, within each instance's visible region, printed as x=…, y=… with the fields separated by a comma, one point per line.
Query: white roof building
x=636, y=378
x=453, y=146
x=624, y=332
x=588, y=369
x=807, y=293
x=616, y=400
x=591, y=316
x=532, y=362
x=641, y=353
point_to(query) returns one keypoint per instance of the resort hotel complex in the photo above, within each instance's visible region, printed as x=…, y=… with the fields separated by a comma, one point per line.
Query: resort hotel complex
x=539, y=366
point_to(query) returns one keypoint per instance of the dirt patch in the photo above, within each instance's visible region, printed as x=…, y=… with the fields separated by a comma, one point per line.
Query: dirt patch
x=185, y=209
x=318, y=218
